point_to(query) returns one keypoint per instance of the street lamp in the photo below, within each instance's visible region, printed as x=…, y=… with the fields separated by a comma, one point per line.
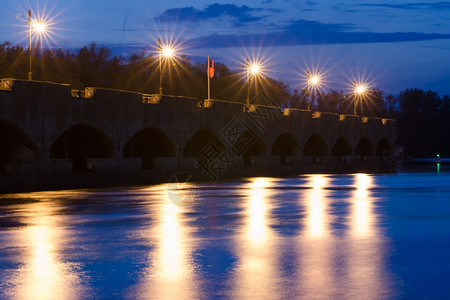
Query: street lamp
x=253, y=69
x=40, y=27
x=312, y=83
x=359, y=90
x=164, y=52
x=314, y=80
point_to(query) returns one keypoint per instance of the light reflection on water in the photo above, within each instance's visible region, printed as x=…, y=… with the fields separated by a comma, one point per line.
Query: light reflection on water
x=170, y=272
x=256, y=245
x=362, y=213
x=42, y=272
x=311, y=237
x=317, y=219
x=315, y=268
x=366, y=274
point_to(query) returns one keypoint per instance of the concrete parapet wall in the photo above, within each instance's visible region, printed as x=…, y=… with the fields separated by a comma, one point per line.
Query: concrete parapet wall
x=125, y=133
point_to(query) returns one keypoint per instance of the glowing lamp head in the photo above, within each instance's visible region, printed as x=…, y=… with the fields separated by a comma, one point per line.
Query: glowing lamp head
x=360, y=89
x=314, y=80
x=167, y=52
x=39, y=26
x=254, y=69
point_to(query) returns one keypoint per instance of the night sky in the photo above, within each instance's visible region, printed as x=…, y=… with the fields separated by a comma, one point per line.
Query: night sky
x=394, y=45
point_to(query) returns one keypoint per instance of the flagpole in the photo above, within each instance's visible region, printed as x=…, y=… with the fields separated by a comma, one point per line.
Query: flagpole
x=248, y=83
x=160, y=66
x=308, y=89
x=29, y=44
x=209, y=80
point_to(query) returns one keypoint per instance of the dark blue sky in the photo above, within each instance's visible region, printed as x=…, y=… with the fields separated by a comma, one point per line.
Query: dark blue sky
x=397, y=45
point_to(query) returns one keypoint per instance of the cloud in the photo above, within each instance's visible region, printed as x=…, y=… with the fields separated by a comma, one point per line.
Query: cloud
x=239, y=14
x=304, y=26
x=294, y=32
x=411, y=6
x=417, y=7
x=303, y=32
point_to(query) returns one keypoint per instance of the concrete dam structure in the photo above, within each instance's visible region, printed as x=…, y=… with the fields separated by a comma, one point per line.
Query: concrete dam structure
x=55, y=137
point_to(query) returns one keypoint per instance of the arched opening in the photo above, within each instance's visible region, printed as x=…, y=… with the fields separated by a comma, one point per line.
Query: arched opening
x=248, y=145
x=82, y=143
x=15, y=148
x=285, y=146
x=383, y=148
x=364, y=148
x=315, y=147
x=148, y=144
x=203, y=142
x=341, y=148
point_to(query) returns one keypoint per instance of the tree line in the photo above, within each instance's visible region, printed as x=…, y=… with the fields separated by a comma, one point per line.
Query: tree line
x=423, y=117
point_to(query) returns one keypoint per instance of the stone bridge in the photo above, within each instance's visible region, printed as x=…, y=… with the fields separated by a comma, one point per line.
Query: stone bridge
x=53, y=136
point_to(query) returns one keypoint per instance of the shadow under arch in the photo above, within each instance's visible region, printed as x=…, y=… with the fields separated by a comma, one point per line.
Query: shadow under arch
x=148, y=144
x=341, y=148
x=82, y=143
x=315, y=147
x=248, y=145
x=285, y=145
x=16, y=147
x=364, y=148
x=383, y=148
x=201, y=141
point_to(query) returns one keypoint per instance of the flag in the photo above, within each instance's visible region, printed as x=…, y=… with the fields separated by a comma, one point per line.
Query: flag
x=211, y=68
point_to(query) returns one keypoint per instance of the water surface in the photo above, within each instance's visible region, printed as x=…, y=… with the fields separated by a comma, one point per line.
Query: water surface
x=355, y=236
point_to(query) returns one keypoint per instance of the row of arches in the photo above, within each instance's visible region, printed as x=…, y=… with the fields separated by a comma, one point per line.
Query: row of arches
x=316, y=146
x=82, y=142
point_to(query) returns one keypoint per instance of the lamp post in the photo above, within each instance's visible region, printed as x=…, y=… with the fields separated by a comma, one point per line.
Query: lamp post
x=29, y=44
x=164, y=52
x=253, y=69
x=312, y=82
x=160, y=67
x=359, y=91
x=39, y=26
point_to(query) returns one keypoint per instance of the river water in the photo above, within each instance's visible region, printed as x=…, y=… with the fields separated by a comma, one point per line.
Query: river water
x=353, y=236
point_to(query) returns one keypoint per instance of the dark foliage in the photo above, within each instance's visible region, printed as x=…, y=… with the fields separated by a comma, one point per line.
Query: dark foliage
x=423, y=122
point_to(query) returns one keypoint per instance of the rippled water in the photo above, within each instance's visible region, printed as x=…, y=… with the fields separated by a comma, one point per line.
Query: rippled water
x=355, y=236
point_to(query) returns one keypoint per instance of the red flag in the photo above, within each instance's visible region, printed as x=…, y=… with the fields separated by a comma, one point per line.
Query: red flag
x=211, y=69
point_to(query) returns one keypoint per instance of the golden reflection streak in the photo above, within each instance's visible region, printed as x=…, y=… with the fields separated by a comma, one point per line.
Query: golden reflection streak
x=364, y=271
x=44, y=274
x=362, y=210
x=316, y=222
x=316, y=247
x=257, y=212
x=171, y=253
x=171, y=273
x=257, y=270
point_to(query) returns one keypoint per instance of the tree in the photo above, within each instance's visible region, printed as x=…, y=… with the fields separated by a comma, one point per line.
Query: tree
x=13, y=61
x=418, y=122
